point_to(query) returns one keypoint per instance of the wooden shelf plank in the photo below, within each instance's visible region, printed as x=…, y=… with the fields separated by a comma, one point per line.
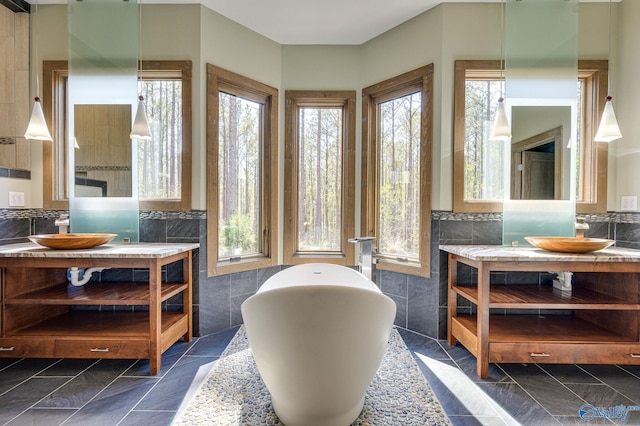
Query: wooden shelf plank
x=543, y=328
x=108, y=293
x=545, y=297
x=97, y=325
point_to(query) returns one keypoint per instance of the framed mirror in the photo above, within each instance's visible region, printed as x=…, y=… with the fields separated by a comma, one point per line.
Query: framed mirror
x=479, y=178
x=101, y=155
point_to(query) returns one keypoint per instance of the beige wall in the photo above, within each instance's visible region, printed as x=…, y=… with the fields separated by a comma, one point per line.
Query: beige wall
x=411, y=45
x=625, y=173
x=448, y=32
x=235, y=48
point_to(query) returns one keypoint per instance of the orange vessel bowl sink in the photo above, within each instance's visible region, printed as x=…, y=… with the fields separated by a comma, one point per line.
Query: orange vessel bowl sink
x=72, y=241
x=570, y=244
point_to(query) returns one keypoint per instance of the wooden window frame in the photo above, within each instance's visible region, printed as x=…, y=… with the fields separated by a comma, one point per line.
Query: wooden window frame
x=55, y=98
x=420, y=79
x=220, y=79
x=294, y=100
x=594, y=74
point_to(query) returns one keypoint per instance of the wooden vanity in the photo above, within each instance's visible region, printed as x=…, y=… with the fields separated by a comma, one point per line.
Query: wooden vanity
x=43, y=316
x=597, y=322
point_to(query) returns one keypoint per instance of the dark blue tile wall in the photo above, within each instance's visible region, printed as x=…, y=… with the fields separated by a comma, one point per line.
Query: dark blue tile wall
x=421, y=302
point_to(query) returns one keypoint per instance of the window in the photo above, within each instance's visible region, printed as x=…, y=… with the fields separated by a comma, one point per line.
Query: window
x=164, y=163
x=478, y=164
x=319, y=177
x=396, y=170
x=160, y=166
x=242, y=160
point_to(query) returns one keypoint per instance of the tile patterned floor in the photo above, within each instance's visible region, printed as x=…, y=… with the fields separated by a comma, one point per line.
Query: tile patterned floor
x=121, y=392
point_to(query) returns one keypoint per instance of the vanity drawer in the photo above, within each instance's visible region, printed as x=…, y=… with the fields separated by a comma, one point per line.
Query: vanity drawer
x=565, y=353
x=11, y=347
x=70, y=348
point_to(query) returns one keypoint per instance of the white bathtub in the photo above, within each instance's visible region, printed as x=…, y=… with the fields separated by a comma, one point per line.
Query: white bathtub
x=318, y=333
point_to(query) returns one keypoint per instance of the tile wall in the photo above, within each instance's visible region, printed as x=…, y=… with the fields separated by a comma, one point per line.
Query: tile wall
x=421, y=302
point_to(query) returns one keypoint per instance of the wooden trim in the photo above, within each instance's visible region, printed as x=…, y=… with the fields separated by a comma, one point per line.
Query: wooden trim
x=595, y=160
x=52, y=71
x=346, y=100
x=422, y=80
x=186, y=70
x=461, y=69
x=218, y=78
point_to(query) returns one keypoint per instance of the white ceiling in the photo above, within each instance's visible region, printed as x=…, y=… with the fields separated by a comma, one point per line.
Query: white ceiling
x=318, y=21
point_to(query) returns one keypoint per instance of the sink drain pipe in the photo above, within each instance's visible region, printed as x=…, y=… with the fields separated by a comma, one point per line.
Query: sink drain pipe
x=80, y=276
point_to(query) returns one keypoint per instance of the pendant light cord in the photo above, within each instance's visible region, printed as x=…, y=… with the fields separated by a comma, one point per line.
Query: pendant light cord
x=139, y=61
x=35, y=48
x=609, y=56
x=502, y=61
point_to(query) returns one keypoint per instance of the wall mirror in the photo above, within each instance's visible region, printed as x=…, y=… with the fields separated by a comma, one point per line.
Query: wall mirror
x=103, y=150
x=540, y=151
x=479, y=165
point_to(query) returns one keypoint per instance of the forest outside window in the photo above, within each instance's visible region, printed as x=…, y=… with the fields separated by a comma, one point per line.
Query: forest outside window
x=479, y=163
x=161, y=160
x=164, y=163
x=242, y=169
x=396, y=170
x=319, y=177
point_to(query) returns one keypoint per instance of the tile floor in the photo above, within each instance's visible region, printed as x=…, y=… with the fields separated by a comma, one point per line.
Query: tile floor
x=121, y=392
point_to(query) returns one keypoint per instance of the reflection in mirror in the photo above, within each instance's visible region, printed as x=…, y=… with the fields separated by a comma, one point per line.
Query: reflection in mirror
x=536, y=167
x=103, y=149
x=533, y=131
x=479, y=165
x=164, y=163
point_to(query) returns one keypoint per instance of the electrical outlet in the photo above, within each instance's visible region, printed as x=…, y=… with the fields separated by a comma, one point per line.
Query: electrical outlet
x=16, y=199
x=629, y=203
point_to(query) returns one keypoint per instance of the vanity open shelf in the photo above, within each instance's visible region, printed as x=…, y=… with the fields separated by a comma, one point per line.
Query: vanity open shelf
x=545, y=297
x=43, y=316
x=597, y=322
x=103, y=293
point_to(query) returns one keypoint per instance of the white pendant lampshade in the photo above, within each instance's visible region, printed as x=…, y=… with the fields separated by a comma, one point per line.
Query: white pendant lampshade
x=37, y=128
x=501, y=129
x=608, y=130
x=141, y=128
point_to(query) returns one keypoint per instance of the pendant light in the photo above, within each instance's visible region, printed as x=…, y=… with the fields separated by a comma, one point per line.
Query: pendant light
x=140, y=129
x=501, y=129
x=608, y=131
x=37, y=128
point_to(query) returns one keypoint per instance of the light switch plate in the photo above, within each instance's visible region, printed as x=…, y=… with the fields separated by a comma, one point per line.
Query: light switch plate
x=629, y=203
x=16, y=199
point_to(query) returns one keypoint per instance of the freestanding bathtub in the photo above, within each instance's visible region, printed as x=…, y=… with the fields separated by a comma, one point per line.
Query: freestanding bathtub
x=318, y=333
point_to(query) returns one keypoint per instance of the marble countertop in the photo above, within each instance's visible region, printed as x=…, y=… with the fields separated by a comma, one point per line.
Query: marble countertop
x=532, y=254
x=109, y=251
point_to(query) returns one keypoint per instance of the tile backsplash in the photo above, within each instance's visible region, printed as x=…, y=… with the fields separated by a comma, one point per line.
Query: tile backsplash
x=421, y=302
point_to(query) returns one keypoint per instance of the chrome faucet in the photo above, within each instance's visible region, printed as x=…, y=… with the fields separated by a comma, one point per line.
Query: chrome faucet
x=367, y=260
x=62, y=223
x=581, y=226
